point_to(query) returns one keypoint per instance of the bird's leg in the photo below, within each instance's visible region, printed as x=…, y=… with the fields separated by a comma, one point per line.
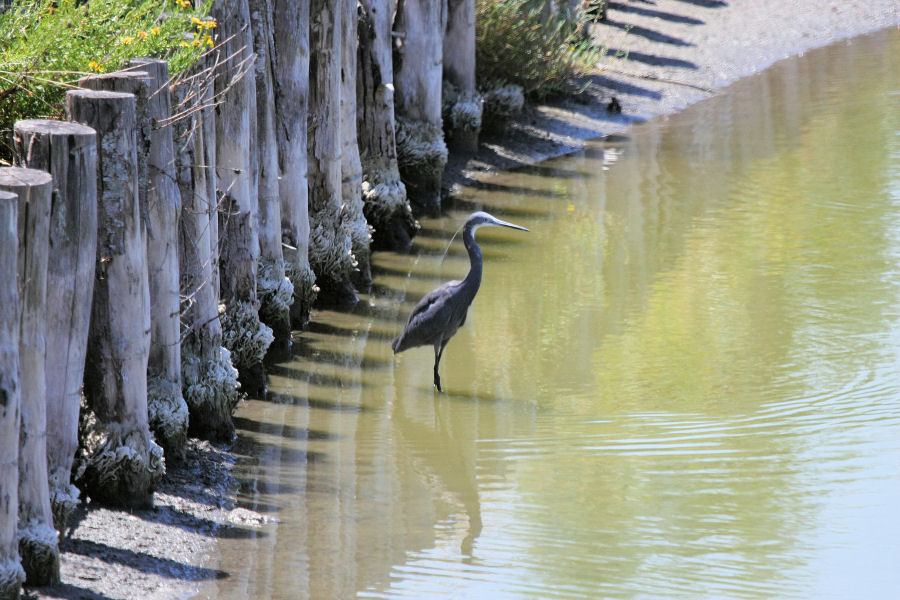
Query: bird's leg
x=438, y=351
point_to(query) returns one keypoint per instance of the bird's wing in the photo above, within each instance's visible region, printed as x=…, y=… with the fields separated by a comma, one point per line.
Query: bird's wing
x=429, y=319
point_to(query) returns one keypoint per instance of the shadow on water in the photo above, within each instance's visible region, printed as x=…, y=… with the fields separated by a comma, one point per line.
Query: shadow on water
x=316, y=403
x=282, y=429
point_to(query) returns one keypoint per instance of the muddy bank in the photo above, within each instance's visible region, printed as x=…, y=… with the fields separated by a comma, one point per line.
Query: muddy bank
x=671, y=53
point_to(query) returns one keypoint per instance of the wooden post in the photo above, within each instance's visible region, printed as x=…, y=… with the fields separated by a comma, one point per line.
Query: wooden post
x=244, y=335
x=462, y=102
x=275, y=291
x=209, y=381
x=330, y=245
x=118, y=464
x=160, y=205
x=68, y=151
x=351, y=167
x=168, y=410
x=421, y=151
x=384, y=195
x=38, y=543
x=291, y=90
x=11, y=573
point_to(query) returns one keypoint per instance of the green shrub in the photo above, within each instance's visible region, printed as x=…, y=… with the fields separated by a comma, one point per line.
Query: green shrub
x=519, y=41
x=47, y=45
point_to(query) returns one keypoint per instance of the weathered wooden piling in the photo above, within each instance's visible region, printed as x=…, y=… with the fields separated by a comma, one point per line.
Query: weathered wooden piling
x=11, y=573
x=38, y=540
x=421, y=151
x=275, y=291
x=209, y=381
x=118, y=463
x=244, y=335
x=160, y=205
x=168, y=410
x=384, y=195
x=330, y=243
x=351, y=167
x=68, y=151
x=291, y=89
x=462, y=103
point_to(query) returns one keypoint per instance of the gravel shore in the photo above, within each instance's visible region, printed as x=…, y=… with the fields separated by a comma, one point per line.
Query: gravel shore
x=663, y=55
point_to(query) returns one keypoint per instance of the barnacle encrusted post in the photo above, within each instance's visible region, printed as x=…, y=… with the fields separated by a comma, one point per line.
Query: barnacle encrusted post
x=462, y=102
x=291, y=90
x=68, y=151
x=209, y=381
x=274, y=290
x=163, y=206
x=118, y=463
x=385, y=204
x=236, y=175
x=351, y=167
x=38, y=544
x=421, y=152
x=501, y=102
x=330, y=241
x=11, y=573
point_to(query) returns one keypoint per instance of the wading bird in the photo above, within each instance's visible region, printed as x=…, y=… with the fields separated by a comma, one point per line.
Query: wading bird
x=442, y=312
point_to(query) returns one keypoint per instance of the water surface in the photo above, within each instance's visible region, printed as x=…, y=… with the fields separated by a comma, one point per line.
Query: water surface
x=684, y=382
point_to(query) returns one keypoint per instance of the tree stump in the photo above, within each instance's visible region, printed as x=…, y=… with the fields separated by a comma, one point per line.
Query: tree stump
x=244, y=335
x=462, y=103
x=290, y=60
x=160, y=205
x=209, y=381
x=384, y=195
x=275, y=291
x=38, y=543
x=68, y=151
x=330, y=244
x=351, y=167
x=421, y=152
x=11, y=573
x=118, y=464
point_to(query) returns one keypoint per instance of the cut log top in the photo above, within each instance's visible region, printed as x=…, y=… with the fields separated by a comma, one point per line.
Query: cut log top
x=7, y=197
x=52, y=127
x=14, y=178
x=114, y=79
x=99, y=94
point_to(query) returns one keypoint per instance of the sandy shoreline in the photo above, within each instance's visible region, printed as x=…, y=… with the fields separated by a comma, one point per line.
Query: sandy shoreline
x=678, y=52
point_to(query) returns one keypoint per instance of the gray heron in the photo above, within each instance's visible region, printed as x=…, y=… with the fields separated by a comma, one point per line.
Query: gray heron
x=438, y=316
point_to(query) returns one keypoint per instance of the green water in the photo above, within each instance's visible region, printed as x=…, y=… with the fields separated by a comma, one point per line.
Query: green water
x=683, y=383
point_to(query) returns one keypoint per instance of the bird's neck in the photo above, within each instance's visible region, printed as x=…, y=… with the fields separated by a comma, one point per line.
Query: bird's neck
x=473, y=279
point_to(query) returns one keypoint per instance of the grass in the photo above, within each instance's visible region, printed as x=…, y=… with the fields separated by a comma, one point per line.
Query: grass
x=47, y=45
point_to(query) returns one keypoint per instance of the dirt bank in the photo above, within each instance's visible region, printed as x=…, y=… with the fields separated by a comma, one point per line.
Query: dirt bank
x=676, y=52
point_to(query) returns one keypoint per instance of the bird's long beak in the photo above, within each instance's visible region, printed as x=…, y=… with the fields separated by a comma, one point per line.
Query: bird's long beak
x=507, y=224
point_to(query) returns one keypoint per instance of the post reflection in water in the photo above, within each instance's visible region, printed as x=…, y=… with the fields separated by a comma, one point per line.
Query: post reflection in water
x=683, y=383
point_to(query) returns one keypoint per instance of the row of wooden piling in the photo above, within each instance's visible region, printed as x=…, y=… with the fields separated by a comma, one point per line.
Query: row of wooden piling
x=172, y=229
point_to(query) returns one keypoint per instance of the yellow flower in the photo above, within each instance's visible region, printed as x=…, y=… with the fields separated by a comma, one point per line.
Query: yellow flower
x=95, y=66
x=142, y=34
x=210, y=24
x=183, y=3
x=209, y=40
x=196, y=21
x=125, y=40
x=154, y=31
x=196, y=42
x=184, y=44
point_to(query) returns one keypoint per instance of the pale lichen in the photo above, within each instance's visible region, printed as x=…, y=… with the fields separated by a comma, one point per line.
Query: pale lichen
x=245, y=336
x=275, y=290
x=168, y=414
x=210, y=389
x=39, y=552
x=11, y=578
